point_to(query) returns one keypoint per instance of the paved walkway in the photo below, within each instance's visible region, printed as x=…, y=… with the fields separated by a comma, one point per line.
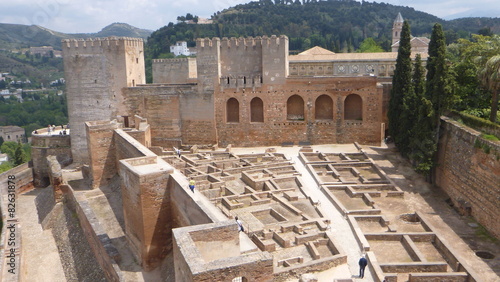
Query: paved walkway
x=40, y=259
x=340, y=227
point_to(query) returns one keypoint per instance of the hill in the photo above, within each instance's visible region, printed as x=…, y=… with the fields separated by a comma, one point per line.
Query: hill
x=338, y=25
x=13, y=36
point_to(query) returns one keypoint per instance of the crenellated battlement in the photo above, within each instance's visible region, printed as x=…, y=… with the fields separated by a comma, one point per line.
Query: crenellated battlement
x=176, y=60
x=241, y=42
x=275, y=40
x=207, y=42
x=102, y=42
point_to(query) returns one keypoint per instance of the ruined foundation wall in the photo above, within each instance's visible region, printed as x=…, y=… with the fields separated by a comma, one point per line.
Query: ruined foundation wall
x=469, y=172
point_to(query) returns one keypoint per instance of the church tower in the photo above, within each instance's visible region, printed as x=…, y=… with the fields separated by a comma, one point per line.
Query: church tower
x=397, y=27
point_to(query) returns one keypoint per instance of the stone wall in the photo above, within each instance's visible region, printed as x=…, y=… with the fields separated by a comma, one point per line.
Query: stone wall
x=186, y=211
x=101, y=151
x=469, y=171
x=161, y=106
x=43, y=145
x=89, y=235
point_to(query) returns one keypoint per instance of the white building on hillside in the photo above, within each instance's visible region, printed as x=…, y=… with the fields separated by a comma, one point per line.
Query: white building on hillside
x=180, y=48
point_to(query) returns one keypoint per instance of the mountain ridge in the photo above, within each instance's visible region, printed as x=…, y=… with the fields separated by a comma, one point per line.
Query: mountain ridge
x=14, y=36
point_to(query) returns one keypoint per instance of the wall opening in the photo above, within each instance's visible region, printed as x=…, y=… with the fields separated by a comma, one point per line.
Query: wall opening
x=353, y=107
x=256, y=110
x=295, y=108
x=232, y=110
x=239, y=279
x=324, y=108
x=133, y=82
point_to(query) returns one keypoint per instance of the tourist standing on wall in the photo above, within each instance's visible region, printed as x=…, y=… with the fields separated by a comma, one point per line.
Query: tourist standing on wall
x=191, y=184
x=362, y=264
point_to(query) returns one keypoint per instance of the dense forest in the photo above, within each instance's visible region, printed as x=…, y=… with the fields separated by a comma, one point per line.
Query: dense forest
x=35, y=112
x=336, y=25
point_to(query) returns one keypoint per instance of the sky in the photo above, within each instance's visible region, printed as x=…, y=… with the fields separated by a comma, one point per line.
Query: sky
x=88, y=16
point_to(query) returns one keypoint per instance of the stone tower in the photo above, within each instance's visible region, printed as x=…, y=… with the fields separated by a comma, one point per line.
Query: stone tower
x=397, y=27
x=96, y=71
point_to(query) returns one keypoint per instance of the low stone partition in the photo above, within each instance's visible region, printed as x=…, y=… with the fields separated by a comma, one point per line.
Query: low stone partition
x=438, y=277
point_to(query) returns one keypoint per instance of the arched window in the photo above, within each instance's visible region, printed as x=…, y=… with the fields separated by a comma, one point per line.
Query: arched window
x=295, y=108
x=353, y=107
x=324, y=108
x=256, y=110
x=232, y=110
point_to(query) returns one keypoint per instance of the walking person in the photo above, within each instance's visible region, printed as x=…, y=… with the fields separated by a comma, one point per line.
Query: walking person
x=362, y=264
x=192, y=184
x=240, y=224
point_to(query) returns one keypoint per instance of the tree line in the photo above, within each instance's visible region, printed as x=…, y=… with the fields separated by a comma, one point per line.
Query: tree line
x=465, y=80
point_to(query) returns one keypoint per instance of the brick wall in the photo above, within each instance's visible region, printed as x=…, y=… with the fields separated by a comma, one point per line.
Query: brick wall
x=469, y=171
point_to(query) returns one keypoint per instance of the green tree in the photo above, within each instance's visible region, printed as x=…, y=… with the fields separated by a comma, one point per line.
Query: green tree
x=422, y=133
x=438, y=88
x=9, y=148
x=490, y=78
x=19, y=155
x=369, y=46
x=401, y=87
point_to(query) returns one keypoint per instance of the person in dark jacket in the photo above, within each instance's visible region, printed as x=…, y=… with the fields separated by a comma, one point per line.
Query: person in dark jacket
x=362, y=264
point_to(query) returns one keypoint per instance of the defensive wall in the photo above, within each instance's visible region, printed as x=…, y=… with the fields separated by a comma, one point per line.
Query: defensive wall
x=469, y=172
x=174, y=71
x=96, y=71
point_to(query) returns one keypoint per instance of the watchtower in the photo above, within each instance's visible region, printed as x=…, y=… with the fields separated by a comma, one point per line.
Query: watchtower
x=96, y=71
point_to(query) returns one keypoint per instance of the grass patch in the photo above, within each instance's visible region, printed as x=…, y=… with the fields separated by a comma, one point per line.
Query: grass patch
x=489, y=137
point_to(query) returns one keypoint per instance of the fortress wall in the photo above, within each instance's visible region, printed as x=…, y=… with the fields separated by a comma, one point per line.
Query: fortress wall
x=469, y=172
x=277, y=128
x=188, y=209
x=275, y=65
x=161, y=106
x=174, y=71
x=46, y=145
x=101, y=151
x=208, y=64
x=198, y=123
x=147, y=207
x=241, y=57
x=102, y=250
x=96, y=71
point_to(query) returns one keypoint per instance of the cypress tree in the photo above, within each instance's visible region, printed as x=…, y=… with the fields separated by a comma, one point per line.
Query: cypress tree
x=422, y=144
x=401, y=87
x=19, y=155
x=438, y=87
